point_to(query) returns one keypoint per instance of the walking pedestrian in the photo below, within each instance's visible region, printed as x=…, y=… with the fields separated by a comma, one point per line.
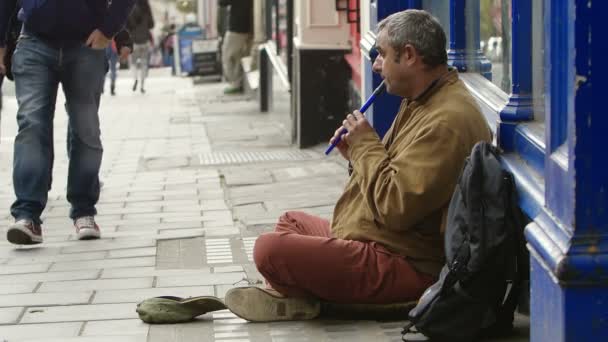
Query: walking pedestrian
x=236, y=43
x=139, y=25
x=62, y=42
x=119, y=49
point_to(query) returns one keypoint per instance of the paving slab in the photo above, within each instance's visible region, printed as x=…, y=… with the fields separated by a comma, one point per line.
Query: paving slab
x=75, y=313
x=129, y=272
x=108, y=245
x=49, y=277
x=103, y=264
x=202, y=279
x=115, y=327
x=10, y=315
x=97, y=284
x=132, y=252
x=17, y=288
x=180, y=253
x=41, y=299
x=113, y=338
x=39, y=331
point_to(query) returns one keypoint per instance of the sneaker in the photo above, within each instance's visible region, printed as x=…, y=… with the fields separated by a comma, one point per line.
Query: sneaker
x=86, y=228
x=233, y=90
x=258, y=305
x=24, y=232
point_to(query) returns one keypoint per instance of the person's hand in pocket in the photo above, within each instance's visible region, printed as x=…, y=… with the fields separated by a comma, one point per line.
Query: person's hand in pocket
x=97, y=40
x=2, y=66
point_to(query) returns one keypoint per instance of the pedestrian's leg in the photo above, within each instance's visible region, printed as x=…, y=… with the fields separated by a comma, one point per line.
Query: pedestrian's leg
x=69, y=134
x=231, y=61
x=113, y=62
x=36, y=83
x=135, y=56
x=145, y=62
x=243, y=49
x=82, y=78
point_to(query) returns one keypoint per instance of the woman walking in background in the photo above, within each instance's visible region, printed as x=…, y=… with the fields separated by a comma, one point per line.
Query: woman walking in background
x=139, y=25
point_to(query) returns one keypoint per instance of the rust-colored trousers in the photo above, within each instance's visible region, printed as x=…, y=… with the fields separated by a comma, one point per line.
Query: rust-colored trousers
x=301, y=258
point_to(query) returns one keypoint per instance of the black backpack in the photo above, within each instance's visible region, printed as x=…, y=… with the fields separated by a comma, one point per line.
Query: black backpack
x=486, y=258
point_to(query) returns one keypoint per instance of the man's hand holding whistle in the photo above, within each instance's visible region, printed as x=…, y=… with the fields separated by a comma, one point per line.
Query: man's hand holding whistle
x=357, y=125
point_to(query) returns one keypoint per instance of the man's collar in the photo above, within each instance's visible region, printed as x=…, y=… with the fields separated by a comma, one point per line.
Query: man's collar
x=450, y=75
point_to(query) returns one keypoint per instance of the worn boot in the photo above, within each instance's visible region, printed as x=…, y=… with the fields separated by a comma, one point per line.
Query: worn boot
x=259, y=305
x=170, y=310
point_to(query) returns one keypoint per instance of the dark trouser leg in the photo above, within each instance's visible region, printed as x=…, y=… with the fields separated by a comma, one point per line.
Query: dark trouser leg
x=36, y=82
x=82, y=78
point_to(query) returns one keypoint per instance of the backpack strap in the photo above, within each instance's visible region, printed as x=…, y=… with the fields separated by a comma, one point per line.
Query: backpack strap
x=410, y=334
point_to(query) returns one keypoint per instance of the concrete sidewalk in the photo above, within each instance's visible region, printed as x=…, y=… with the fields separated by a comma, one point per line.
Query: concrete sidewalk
x=192, y=177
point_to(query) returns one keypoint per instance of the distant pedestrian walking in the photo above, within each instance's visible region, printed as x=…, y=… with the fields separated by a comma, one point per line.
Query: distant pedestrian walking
x=139, y=25
x=61, y=43
x=236, y=43
x=119, y=50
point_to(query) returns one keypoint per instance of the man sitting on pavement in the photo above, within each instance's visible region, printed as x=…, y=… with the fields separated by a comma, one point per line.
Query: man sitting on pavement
x=385, y=242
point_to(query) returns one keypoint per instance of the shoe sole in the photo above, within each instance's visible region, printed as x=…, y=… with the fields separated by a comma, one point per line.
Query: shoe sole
x=88, y=234
x=256, y=305
x=19, y=236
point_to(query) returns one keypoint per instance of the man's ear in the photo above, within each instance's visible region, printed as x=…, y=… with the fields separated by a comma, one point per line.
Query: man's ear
x=409, y=54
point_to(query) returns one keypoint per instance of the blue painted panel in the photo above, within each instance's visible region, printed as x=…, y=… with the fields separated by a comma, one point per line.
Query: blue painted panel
x=569, y=313
x=530, y=187
x=591, y=122
x=546, y=301
x=514, y=137
x=559, y=104
x=530, y=149
x=559, y=67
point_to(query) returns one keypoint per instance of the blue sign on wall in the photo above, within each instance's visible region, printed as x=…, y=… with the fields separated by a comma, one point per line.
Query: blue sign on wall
x=185, y=36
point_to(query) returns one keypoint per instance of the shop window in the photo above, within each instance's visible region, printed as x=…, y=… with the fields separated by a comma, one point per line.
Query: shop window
x=495, y=39
x=538, y=61
x=440, y=9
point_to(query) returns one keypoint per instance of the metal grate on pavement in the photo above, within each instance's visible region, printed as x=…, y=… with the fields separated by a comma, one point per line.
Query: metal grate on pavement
x=223, y=158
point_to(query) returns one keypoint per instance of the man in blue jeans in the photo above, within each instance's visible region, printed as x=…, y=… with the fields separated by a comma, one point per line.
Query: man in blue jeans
x=62, y=42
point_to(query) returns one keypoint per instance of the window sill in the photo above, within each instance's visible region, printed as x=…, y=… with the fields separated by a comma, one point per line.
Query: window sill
x=522, y=141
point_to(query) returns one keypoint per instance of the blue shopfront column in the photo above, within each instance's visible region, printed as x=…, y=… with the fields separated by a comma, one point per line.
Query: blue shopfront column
x=568, y=240
x=465, y=51
x=384, y=110
x=520, y=105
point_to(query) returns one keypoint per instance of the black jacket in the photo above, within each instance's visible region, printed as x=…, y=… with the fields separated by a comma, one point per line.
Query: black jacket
x=241, y=15
x=140, y=23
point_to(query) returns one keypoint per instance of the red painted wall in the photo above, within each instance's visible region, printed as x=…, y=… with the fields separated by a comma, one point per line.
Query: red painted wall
x=354, y=58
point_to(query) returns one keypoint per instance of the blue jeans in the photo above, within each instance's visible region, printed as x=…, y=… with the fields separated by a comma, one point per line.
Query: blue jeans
x=39, y=69
x=112, y=58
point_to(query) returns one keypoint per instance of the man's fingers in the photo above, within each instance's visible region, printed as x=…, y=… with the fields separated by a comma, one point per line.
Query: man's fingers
x=346, y=124
x=90, y=40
